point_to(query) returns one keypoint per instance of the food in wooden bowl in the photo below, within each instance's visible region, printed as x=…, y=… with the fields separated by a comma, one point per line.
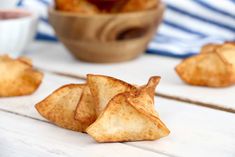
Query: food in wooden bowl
x=213, y=67
x=106, y=35
x=108, y=109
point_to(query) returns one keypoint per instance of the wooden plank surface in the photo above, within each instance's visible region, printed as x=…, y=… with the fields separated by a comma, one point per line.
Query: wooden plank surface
x=13, y=146
x=195, y=131
x=56, y=58
x=25, y=137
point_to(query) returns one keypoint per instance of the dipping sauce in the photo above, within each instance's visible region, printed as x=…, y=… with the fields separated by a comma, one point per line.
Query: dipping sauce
x=12, y=14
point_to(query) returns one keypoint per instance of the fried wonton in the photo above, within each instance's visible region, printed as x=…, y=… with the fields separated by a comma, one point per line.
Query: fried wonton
x=139, y=5
x=213, y=67
x=60, y=107
x=130, y=116
x=143, y=98
x=104, y=88
x=86, y=111
x=108, y=6
x=80, y=6
x=209, y=48
x=99, y=6
x=18, y=77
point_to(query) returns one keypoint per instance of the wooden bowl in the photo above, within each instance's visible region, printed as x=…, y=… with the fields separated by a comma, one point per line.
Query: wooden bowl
x=106, y=37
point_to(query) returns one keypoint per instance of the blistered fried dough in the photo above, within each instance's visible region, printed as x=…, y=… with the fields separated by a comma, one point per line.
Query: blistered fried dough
x=118, y=6
x=130, y=116
x=80, y=6
x=138, y=5
x=104, y=88
x=107, y=6
x=18, y=77
x=208, y=69
x=230, y=42
x=143, y=98
x=214, y=66
x=227, y=52
x=86, y=111
x=209, y=48
x=25, y=60
x=60, y=107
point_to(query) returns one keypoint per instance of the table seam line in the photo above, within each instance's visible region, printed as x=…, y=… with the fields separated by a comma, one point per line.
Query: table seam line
x=158, y=94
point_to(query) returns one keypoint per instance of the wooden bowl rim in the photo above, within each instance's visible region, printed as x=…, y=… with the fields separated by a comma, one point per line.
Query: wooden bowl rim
x=52, y=10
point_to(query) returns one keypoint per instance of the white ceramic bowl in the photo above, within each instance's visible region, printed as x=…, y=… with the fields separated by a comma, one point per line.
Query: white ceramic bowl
x=17, y=29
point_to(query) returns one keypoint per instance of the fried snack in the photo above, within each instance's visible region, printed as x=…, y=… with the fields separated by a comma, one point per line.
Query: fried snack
x=143, y=98
x=79, y=6
x=139, y=5
x=60, y=107
x=104, y=88
x=227, y=52
x=209, y=48
x=230, y=42
x=130, y=116
x=86, y=111
x=106, y=6
x=18, y=77
x=25, y=60
x=213, y=67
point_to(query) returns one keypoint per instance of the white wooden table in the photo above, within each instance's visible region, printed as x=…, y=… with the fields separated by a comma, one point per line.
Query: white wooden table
x=201, y=120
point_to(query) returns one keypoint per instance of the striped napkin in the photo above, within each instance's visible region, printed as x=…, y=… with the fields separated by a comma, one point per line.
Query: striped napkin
x=187, y=25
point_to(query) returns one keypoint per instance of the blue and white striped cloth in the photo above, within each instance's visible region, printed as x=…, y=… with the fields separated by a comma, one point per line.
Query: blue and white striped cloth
x=187, y=25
